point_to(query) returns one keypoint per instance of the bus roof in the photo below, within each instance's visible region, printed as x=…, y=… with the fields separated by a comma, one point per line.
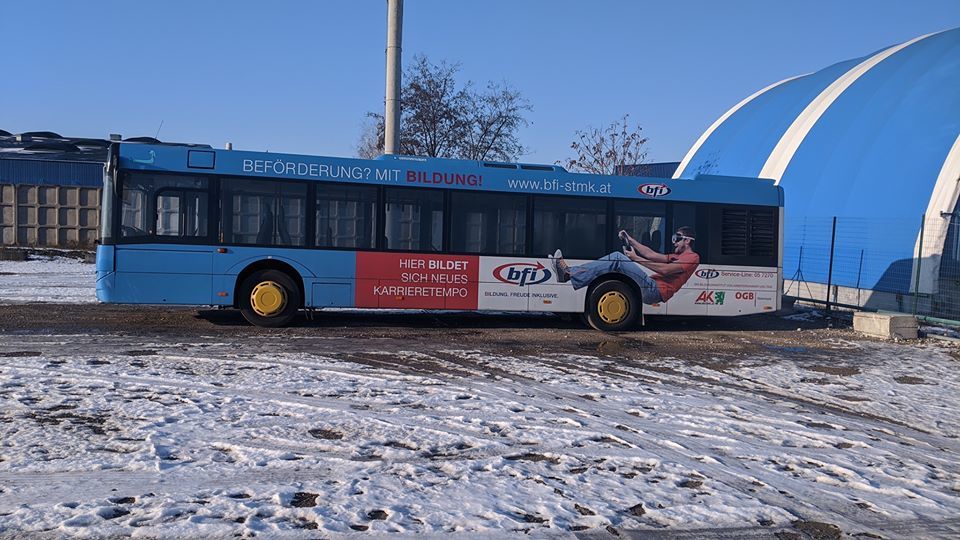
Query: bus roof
x=412, y=171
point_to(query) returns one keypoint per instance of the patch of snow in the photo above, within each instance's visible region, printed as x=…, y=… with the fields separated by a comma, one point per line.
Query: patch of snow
x=209, y=438
x=58, y=280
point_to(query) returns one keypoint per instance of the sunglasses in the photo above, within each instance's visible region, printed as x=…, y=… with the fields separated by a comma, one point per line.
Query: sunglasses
x=678, y=237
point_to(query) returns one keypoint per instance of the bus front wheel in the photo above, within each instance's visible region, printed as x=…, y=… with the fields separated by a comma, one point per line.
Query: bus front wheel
x=612, y=306
x=269, y=298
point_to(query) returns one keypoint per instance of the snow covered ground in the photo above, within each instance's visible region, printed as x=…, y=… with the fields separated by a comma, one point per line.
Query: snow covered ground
x=113, y=434
x=47, y=279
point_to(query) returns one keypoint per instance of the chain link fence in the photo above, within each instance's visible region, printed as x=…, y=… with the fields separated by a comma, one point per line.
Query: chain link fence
x=904, y=265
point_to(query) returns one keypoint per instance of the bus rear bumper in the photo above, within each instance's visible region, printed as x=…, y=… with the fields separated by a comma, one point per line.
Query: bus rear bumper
x=105, y=287
x=106, y=275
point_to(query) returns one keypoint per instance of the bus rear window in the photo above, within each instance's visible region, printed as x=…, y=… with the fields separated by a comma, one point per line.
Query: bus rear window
x=748, y=235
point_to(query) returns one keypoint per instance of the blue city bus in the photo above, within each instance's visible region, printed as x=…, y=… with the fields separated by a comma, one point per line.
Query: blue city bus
x=272, y=234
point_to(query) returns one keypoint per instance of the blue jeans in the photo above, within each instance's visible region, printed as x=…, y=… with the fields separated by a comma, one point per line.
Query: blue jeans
x=582, y=275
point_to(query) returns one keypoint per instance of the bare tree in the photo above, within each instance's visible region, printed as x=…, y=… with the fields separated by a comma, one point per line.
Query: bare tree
x=494, y=117
x=372, y=138
x=432, y=110
x=607, y=150
x=440, y=118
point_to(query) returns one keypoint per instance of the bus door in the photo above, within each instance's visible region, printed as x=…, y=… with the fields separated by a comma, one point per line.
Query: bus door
x=163, y=253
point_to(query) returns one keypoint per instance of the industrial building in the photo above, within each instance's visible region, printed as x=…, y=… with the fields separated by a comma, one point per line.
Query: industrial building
x=868, y=153
x=50, y=189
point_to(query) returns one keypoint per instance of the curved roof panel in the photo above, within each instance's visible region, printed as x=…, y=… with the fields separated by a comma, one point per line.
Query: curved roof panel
x=740, y=145
x=875, y=139
x=885, y=139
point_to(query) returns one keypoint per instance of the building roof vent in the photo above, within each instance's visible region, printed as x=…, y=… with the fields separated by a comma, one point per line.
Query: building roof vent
x=41, y=135
x=148, y=140
x=94, y=143
x=52, y=146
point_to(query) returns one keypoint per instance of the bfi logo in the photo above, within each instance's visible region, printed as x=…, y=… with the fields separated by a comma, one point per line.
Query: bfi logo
x=522, y=273
x=654, y=190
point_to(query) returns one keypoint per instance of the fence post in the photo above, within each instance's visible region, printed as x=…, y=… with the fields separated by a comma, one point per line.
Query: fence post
x=833, y=240
x=916, y=283
x=859, y=273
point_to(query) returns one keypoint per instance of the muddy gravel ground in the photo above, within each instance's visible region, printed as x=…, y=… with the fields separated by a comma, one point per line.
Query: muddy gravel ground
x=690, y=338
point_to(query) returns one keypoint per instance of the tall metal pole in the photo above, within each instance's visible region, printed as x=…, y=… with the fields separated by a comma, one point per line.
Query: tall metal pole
x=391, y=118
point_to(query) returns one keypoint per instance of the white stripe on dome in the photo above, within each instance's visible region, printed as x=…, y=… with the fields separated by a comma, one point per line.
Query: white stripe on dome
x=706, y=134
x=943, y=201
x=783, y=153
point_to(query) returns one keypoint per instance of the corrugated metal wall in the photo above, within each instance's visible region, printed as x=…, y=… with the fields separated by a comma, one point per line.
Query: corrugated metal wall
x=49, y=203
x=58, y=173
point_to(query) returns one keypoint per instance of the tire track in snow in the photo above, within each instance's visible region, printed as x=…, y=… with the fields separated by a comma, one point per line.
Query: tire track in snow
x=540, y=393
x=837, y=509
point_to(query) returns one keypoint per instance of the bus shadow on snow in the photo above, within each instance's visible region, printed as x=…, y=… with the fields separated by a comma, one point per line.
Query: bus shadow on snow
x=484, y=320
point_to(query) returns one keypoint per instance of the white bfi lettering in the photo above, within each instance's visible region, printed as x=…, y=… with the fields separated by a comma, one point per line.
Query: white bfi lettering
x=280, y=167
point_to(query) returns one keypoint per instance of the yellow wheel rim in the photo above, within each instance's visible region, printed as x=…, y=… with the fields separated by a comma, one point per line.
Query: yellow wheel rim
x=268, y=298
x=613, y=307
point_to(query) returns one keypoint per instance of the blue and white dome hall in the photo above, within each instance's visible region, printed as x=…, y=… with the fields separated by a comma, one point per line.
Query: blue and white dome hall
x=873, y=141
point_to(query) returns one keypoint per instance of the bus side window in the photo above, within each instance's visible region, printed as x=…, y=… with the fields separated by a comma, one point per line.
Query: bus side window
x=686, y=215
x=576, y=226
x=264, y=212
x=346, y=216
x=414, y=219
x=133, y=212
x=181, y=213
x=164, y=205
x=645, y=221
x=488, y=223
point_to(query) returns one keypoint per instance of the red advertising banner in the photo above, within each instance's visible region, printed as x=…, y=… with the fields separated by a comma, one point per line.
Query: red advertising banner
x=417, y=281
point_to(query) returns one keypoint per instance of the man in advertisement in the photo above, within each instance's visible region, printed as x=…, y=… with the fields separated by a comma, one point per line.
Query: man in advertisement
x=670, y=272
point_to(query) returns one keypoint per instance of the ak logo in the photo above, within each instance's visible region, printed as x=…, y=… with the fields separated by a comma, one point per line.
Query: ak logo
x=654, y=190
x=708, y=274
x=713, y=298
x=521, y=274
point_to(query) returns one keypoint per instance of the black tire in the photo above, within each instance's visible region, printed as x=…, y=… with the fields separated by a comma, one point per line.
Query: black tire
x=612, y=306
x=275, y=312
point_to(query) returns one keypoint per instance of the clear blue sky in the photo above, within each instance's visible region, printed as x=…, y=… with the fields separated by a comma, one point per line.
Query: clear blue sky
x=299, y=76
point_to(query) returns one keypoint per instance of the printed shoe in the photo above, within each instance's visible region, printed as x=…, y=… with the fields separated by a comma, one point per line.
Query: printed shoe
x=560, y=267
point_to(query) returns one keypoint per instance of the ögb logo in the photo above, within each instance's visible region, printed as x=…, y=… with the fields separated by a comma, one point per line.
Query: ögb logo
x=654, y=190
x=522, y=273
x=713, y=298
x=708, y=273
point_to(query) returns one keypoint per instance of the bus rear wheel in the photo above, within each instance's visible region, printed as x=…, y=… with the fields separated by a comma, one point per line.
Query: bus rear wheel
x=269, y=298
x=612, y=306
